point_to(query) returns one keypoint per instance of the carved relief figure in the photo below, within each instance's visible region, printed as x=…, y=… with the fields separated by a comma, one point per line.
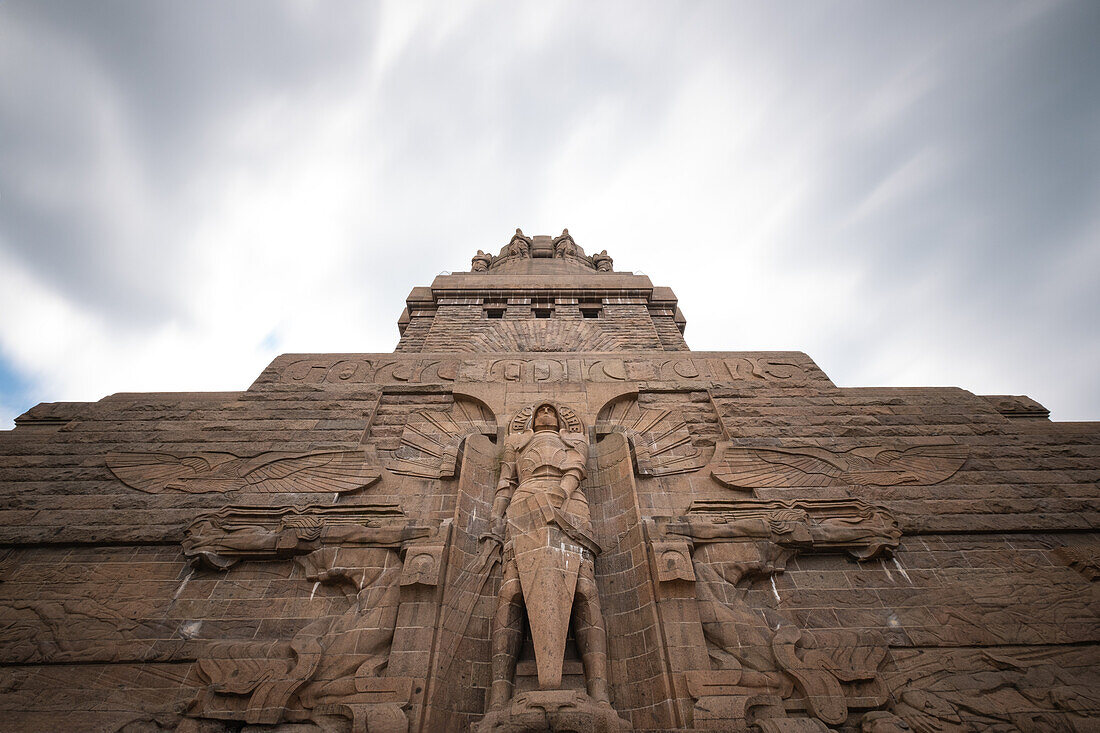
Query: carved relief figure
x=541, y=516
x=602, y=261
x=520, y=246
x=481, y=262
x=1009, y=689
x=325, y=667
x=768, y=657
x=564, y=246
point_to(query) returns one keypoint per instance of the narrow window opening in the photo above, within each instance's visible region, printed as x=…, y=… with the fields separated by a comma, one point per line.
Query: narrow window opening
x=542, y=312
x=590, y=312
x=494, y=313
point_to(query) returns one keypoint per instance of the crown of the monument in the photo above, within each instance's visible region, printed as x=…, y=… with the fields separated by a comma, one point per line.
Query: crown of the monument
x=540, y=247
x=544, y=294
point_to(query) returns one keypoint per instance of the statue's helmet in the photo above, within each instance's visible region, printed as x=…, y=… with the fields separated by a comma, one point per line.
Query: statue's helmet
x=545, y=415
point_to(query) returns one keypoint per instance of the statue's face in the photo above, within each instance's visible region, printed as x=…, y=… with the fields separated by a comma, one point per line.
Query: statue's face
x=545, y=417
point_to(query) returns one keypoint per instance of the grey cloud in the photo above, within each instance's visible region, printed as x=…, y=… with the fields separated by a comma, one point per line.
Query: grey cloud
x=178, y=66
x=992, y=108
x=172, y=72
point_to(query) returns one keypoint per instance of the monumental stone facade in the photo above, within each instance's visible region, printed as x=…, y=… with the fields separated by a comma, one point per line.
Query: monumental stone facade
x=544, y=512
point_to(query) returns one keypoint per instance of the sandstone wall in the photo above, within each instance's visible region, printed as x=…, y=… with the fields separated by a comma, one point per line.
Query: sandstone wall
x=984, y=613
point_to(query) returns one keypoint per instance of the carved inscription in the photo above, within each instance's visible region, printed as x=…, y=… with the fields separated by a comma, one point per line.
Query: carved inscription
x=361, y=370
x=521, y=421
x=199, y=473
x=750, y=368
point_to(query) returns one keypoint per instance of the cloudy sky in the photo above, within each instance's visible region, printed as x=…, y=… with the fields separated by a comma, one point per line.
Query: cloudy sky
x=909, y=192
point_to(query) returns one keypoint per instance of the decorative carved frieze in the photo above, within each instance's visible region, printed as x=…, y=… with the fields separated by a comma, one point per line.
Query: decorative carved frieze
x=431, y=439
x=661, y=441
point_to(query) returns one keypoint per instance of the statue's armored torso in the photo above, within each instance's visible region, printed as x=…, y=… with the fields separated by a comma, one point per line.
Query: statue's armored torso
x=542, y=459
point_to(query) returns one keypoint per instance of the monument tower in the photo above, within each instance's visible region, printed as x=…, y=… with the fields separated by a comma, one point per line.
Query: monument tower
x=544, y=512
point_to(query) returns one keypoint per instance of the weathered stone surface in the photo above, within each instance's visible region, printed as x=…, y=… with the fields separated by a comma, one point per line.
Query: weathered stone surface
x=682, y=541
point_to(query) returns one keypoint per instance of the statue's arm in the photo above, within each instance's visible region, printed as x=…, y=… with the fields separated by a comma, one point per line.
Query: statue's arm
x=505, y=487
x=574, y=471
x=571, y=481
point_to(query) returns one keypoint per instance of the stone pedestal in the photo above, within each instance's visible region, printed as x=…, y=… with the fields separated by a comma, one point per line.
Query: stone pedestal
x=546, y=711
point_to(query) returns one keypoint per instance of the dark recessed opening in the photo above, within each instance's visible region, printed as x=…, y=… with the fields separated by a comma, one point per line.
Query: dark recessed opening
x=590, y=312
x=542, y=312
x=494, y=313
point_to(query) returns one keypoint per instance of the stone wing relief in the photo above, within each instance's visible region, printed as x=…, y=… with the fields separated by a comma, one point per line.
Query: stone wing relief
x=431, y=439
x=763, y=666
x=660, y=439
x=320, y=472
x=334, y=666
x=807, y=466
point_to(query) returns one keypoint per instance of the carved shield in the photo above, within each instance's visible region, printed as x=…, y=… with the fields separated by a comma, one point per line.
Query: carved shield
x=548, y=562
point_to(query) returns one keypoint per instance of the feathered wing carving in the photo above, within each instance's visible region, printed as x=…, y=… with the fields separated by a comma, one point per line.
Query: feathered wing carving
x=432, y=438
x=276, y=472
x=661, y=439
x=760, y=468
x=331, y=472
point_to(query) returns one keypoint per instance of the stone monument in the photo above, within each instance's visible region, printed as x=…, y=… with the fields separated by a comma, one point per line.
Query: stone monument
x=543, y=512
